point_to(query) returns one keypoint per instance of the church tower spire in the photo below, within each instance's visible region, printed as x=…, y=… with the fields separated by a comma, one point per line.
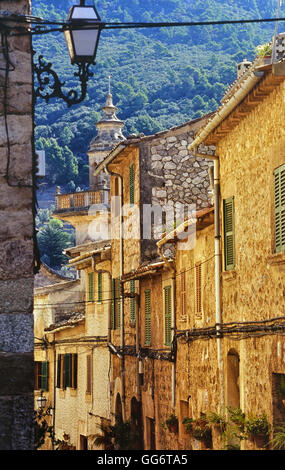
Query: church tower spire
x=109, y=134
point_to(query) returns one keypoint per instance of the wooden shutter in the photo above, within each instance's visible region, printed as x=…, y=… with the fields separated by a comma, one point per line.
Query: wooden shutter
x=118, y=303
x=229, y=236
x=183, y=294
x=113, y=304
x=90, y=287
x=66, y=370
x=147, y=312
x=132, y=184
x=88, y=374
x=167, y=315
x=279, y=208
x=59, y=371
x=44, y=376
x=100, y=287
x=198, y=288
x=37, y=375
x=74, y=371
x=132, y=301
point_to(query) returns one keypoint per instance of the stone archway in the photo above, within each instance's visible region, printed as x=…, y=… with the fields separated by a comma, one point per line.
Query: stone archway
x=118, y=409
x=233, y=372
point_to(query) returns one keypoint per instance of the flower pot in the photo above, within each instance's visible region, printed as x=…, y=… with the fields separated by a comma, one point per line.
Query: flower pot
x=260, y=440
x=173, y=427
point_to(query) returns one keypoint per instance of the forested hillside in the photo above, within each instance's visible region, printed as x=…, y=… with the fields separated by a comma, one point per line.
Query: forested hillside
x=160, y=77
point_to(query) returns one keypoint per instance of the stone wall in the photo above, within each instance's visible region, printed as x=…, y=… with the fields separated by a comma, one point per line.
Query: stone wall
x=16, y=241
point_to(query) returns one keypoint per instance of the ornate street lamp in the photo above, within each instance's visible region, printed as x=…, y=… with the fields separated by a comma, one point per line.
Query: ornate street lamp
x=41, y=401
x=82, y=36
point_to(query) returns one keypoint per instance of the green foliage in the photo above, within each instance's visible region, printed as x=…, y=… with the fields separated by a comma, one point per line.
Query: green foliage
x=257, y=425
x=119, y=436
x=278, y=441
x=52, y=240
x=161, y=77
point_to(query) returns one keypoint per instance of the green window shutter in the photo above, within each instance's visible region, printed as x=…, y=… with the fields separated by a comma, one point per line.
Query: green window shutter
x=74, y=370
x=167, y=315
x=90, y=287
x=132, y=184
x=229, y=233
x=44, y=376
x=100, y=287
x=279, y=208
x=118, y=303
x=133, y=301
x=58, y=384
x=66, y=370
x=147, y=315
x=113, y=304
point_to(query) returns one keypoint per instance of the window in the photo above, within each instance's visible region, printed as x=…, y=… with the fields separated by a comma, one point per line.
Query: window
x=67, y=371
x=41, y=375
x=279, y=208
x=100, y=287
x=167, y=315
x=183, y=294
x=229, y=234
x=90, y=287
x=132, y=184
x=198, y=289
x=132, y=301
x=116, y=304
x=88, y=374
x=147, y=312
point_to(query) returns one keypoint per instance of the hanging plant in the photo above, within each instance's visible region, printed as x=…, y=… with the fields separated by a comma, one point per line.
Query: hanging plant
x=258, y=429
x=218, y=421
x=172, y=423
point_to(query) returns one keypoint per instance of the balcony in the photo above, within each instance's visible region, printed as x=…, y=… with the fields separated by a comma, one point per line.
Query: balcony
x=79, y=201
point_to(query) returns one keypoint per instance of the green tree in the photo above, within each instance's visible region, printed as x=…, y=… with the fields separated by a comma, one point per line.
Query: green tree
x=52, y=240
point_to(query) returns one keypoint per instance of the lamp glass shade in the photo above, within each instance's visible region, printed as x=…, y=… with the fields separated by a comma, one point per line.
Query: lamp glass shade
x=82, y=42
x=41, y=401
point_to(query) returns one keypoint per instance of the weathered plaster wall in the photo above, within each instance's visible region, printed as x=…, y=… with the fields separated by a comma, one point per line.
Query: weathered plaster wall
x=16, y=244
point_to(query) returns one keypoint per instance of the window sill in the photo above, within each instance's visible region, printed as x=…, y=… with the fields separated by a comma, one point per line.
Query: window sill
x=229, y=275
x=276, y=259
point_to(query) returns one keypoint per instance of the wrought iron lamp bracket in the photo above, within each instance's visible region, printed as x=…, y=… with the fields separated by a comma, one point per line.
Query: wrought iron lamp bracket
x=50, y=85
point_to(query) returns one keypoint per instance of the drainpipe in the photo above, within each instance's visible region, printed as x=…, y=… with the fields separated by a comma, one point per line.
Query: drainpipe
x=108, y=172
x=218, y=265
x=109, y=304
x=173, y=323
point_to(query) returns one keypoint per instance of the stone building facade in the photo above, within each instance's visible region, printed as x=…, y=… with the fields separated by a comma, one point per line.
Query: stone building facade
x=249, y=140
x=155, y=172
x=16, y=232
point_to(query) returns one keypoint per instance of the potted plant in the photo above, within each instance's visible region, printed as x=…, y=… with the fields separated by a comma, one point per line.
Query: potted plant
x=258, y=428
x=172, y=423
x=188, y=423
x=218, y=421
x=202, y=431
x=264, y=52
x=278, y=441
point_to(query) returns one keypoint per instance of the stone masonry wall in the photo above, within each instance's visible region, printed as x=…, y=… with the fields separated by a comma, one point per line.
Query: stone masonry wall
x=16, y=240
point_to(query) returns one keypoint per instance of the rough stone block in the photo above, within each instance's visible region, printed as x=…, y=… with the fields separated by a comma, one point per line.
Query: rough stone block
x=13, y=224
x=20, y=130
x=16, y=333
x=16, y=424
x=19, y=99
x=20, y=166
x=22, y=73
x=17, y=373
x=16, y=295
x=16, y=258
x=14, y=197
